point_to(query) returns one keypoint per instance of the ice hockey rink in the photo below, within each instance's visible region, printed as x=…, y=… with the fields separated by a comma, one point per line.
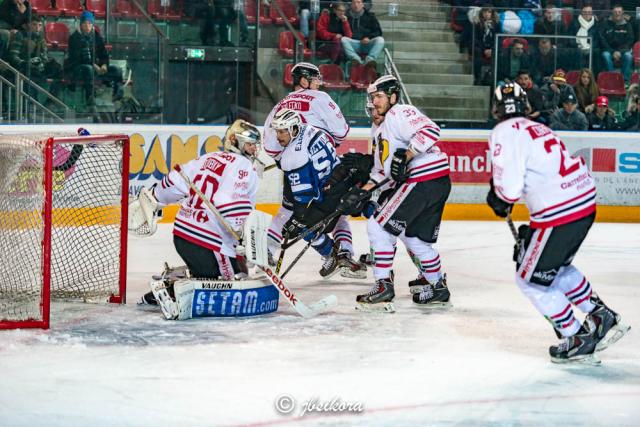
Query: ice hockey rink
x=482, y=362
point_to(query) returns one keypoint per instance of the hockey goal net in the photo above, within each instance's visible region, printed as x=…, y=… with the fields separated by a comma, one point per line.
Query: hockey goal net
x=63, y=223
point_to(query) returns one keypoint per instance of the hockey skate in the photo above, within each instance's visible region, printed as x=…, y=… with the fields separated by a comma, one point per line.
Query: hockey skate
x=429, y=295
x=366, y=259
x=349, y=267
x=331, y=263
x=169, y=275
x=607, y=325
x=579, y=348
x=379, y=298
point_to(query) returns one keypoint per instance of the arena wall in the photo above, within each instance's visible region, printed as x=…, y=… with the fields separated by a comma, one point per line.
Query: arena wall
x=614, y=159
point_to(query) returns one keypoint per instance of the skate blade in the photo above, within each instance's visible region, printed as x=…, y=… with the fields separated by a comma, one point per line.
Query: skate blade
x=346, y=272
x=438, y=305
x=587, y=359
x=613, y=336
x=381, y=307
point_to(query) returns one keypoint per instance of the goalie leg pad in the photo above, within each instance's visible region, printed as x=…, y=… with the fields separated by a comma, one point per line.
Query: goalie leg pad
x=255, y=238
x=168, y=306
x=225, y=298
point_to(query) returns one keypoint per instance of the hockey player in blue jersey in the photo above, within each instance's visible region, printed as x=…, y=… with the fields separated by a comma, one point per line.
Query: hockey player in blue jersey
x=312, y=168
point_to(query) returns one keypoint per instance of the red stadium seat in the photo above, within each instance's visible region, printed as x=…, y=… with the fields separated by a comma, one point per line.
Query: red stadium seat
x=333, y=77
x=57, y=35
x=69, y=7
x=43, y=8
x=286, y=44
x=169, y=13
x=611, y=83
x=287, y=78
x=635, y=78
x=636, y=54
x=126, y=9
x=97, y=7
x=288, y=9
x=250, y=13
x=454, y=21
x=573, y=77
x=362, y=76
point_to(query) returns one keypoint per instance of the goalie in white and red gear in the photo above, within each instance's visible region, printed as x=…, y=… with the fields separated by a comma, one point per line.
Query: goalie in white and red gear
x=530, y=161
x=316, y=108
x=230, y=181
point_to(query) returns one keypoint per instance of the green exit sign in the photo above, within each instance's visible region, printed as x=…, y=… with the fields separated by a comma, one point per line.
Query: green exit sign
x=195, y=53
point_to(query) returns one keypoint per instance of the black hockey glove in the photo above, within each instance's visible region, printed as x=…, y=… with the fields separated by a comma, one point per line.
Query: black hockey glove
x=354, y=201
x=292, y=228
x=360, y=165
x=399, y=165
x=499, y=206
x=518, y=249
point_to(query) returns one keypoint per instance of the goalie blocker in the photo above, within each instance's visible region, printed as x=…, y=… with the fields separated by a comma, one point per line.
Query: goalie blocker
x=216, y=298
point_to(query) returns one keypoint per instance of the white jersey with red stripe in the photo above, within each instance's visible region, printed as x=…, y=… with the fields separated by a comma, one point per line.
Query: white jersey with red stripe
x=229, y=181
x=316, y=108
x=529, y=160
x=404, y=126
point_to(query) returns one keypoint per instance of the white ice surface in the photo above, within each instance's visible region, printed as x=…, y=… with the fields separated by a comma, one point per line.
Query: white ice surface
x=483, y=362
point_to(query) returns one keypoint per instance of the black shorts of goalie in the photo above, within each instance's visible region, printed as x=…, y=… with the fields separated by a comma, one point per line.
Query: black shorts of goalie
x=205, y=263
x=415, y=208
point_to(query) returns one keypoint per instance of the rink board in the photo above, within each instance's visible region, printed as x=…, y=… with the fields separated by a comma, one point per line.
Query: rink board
x=614, y=159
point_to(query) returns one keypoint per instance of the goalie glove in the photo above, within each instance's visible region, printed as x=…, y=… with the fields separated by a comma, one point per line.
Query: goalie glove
x=399, y=165
x=142, y=220
x=499, y=206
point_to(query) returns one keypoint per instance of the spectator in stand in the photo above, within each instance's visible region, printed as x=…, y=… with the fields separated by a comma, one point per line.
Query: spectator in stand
x=583, y=27
x=512, y=61
x=14, y=14
x=543, y=60
x=534, y=96
x=602, y=117
x=484, y=41
x=548, y=24
x=569, y=117
x=367, y=35
x=221, y=14
x=617, y=38
x=631, y=117
x=332, y=26
x=28, y=53
x=88, y=60
x=556, y=90
x=601, y=8
x=586, y=90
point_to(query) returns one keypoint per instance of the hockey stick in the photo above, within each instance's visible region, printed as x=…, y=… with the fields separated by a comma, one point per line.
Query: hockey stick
x=512, y=226
x=328, y=219
x=281, y=257
x=302, y=309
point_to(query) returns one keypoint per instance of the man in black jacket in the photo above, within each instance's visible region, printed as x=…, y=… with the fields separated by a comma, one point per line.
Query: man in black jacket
x=89, y=60
x=367, y=35
x=616, y=39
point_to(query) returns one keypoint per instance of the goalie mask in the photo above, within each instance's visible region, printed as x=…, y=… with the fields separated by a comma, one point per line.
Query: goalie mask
x=308, y=71
x=510, y=100
x=238, y=135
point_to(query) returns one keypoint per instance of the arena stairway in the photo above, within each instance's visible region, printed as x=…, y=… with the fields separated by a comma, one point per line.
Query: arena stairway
x=437, y=77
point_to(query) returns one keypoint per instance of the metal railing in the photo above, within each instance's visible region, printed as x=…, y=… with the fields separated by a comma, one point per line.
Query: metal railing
x=390, y=68
x=19, y=100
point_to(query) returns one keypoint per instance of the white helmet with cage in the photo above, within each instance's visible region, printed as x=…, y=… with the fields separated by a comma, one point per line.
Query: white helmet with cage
x=239, y=134
x=287, y=119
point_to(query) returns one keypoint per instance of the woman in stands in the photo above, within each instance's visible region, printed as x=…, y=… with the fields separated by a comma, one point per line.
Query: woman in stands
x=586, y=90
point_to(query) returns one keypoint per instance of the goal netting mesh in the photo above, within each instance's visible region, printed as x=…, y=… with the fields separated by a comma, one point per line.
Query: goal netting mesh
x=74, y=243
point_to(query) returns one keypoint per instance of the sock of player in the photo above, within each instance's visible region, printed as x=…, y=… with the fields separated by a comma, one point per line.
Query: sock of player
x=427, y=256
x=274, y=233
x=342, y=235
x=323, y=245
x=383, y=248
x=552, y=304
x=575, y=287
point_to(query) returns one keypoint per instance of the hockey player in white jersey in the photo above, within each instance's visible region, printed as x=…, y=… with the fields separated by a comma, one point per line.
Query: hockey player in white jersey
x=229, y=179
x=316, y=108
x=410, y=208
x=317, y=180
x=530, y=161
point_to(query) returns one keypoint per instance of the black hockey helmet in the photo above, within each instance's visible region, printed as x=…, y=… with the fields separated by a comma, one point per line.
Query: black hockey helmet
x=510, y=100
x=306, y=70
x=387, y=84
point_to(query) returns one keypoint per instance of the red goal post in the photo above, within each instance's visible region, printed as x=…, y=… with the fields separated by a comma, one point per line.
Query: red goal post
x=63, y=223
